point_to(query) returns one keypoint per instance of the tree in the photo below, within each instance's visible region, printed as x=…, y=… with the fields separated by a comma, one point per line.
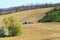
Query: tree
x=15, y=28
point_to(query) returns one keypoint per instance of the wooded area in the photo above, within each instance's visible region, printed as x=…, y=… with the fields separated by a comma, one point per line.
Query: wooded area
x=26, y=7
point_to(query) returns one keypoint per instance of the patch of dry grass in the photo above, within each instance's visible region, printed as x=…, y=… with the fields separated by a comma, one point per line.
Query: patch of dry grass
x=38, y=31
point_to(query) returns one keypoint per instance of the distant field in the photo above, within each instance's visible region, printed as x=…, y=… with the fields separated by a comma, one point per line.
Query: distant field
x=39, y=31
x=30, y=15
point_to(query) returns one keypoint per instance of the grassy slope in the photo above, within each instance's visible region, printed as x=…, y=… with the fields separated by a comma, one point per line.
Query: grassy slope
x=35, y=31
x=30, y=15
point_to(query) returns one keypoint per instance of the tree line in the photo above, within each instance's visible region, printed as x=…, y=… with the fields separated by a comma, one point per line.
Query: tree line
x=26, y=7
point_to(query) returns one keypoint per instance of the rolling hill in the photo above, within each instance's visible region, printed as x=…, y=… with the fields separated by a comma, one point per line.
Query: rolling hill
x=29, y=16
x=37, y=31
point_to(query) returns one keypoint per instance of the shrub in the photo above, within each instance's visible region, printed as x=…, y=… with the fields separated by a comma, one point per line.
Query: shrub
x=13, y=25
x=3, y=32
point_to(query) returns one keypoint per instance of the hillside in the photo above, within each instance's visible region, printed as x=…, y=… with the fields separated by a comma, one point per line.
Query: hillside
x=30, y=15
x=37, y=31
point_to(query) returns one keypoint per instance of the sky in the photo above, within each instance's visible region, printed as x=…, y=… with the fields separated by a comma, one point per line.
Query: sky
x=13, y=3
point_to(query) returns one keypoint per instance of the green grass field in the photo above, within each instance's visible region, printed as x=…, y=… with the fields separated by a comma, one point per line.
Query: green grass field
x=53, y=16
